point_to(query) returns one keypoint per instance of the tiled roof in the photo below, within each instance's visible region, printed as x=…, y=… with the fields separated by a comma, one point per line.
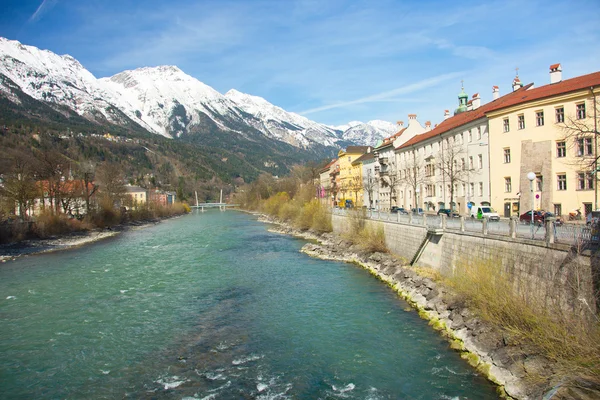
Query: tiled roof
x=465, y=117
x=357, y=149
x=325, y=168
x=364, y=157
x=553, y=89
x=390, y=140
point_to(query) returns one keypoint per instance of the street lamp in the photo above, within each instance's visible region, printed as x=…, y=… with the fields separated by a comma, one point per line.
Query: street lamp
x=531, y=177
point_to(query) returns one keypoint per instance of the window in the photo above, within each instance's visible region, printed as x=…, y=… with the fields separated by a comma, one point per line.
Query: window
x=463, y=164
x=507, y=155
x=506, y=125
x=464, y=189
x=580, y=111
x=470, y=137
x=539, y=183
x=585, y=181
x=507, y=185
x=480, y=189
x=561, y=180
x=584, y=147
x=478, y=133
x=560, y=115
x=561, y=149
x=558, y=210
x=521, y=121
x=472, y=190
x=480, y=161
x=349, y=159
x=539, y=118
x=471, y=166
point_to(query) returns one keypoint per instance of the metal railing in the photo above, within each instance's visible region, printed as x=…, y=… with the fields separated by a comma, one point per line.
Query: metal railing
x=550, y=231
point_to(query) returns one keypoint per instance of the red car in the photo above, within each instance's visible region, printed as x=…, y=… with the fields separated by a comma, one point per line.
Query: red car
x=539, y=217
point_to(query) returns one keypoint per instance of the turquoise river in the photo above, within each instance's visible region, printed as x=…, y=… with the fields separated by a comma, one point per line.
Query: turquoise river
x=214, y=306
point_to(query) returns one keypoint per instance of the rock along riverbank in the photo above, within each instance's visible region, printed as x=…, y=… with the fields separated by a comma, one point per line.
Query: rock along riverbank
x=519, y=371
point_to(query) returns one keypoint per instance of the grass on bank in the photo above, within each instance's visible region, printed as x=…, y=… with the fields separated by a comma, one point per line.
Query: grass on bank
x=47, y=223
x=572, y=342
x=369, y=236
x=302, y=212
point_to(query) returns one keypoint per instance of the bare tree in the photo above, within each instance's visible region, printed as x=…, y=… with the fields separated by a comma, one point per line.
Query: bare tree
x=369, y=184
x=53, y=169
x=355, y=186
x=453, y=167
x=413, y=176
x=580, y=133
x=87, y=173
x=18, y=182
x=111, y=182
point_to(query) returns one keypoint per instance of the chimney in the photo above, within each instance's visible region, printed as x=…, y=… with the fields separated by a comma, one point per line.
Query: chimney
x=555, y=73
x=495, y=92
x=427, y=125
x=446, y=114
x=476, y=101
x=400, y=124
x=411, y=117
x=469, y=105
x=516, y=84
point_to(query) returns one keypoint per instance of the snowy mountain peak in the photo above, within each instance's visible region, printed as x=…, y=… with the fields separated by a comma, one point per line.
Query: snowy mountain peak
x=163, y=100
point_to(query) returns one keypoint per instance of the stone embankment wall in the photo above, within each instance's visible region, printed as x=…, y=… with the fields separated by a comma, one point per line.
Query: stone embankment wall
x=543, y=275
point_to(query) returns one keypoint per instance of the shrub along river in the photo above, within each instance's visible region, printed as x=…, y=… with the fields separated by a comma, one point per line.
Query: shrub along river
x=213, y=306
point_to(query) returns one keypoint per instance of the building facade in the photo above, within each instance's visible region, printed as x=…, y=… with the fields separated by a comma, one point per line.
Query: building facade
x=550, y=131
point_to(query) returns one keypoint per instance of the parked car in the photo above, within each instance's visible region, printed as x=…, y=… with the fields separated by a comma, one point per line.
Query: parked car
x=486, y=212
x=398, y=210
x=525, y=218
x=539, y=217
x=450, y=213
x=417, y=211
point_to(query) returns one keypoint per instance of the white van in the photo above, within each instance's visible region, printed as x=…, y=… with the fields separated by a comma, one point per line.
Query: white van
x=486, y=212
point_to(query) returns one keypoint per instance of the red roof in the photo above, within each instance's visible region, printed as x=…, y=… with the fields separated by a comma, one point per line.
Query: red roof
x=325, y=168
x=554, y=66
x=389, y=140
x=553, y=89
x=465, y=117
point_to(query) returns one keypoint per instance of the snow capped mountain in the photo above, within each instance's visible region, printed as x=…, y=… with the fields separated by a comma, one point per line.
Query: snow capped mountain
x=168, y=100
x=164, y=100
x=368, y=134
x=279, y=124
x=345, y=127
x=54, y=79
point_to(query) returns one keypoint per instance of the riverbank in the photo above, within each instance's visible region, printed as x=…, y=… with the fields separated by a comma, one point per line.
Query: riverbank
x=73, y=240
x=519, y=370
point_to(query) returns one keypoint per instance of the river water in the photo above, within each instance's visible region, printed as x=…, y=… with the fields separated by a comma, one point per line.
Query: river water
x=213, y=306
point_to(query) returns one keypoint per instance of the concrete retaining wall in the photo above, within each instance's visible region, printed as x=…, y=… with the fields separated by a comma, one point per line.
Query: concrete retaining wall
x=553, y=276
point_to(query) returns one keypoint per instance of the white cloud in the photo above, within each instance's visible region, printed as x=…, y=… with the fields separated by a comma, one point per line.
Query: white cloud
x=387, y=95
x=42, y=9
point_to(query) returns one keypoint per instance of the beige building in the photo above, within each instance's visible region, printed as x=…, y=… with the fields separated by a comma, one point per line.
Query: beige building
x=350, y=179
x=448, y=166
x=549, y=131
x=385, y=169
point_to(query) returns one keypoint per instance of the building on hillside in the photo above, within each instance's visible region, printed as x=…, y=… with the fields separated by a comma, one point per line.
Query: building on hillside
x=67, y=196
x=324, y=187
x=448, y=166
x=350, y=184
x=385, y=169
x=551, y=131
x=137, y=195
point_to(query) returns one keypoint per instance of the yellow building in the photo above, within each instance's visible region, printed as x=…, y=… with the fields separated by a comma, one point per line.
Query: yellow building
x=548, y=131
x=350, y=179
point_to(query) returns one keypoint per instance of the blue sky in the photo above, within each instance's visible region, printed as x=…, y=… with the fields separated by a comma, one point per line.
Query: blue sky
x=332, y=61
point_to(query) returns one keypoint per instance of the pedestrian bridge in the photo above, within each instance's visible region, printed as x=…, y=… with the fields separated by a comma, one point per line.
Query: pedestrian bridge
x=221, y=206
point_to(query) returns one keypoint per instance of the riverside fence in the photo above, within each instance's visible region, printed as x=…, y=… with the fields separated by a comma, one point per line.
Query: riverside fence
x=550, y=231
